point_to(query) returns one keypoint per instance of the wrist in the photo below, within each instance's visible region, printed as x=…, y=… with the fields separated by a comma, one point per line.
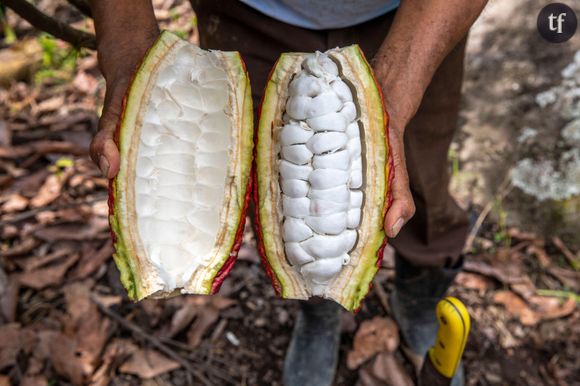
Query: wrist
x=119, y=57
x=400, y=106
x=402, y=91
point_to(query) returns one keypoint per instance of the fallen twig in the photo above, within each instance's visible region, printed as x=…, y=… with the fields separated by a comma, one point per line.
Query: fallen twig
x=151, y=339
x=489, y=271
x=33, y=212
x=503, y=191
x=42, y=147
x=194, y=354
x=572, y=259
x=178, y=345
x=83, y=6
x=43, y=22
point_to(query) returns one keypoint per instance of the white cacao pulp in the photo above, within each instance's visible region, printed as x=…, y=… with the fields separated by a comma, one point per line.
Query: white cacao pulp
x=320, y=172
x=182, y=164
x=185, y=137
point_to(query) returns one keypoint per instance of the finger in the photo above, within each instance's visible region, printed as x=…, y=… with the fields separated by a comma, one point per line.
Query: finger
x=103, y=149
x=402, y=207
x=105, y=154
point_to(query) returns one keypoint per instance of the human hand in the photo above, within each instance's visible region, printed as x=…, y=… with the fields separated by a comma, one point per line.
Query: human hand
x=421, y=35
x=118, y=61
x=400, y=107
x=402, y=207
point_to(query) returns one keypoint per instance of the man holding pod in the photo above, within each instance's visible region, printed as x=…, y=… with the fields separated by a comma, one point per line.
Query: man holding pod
x=417, y=50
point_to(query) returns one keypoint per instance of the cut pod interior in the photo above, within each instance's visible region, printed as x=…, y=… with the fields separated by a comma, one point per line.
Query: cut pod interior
x=322, y=175
x=179, y=199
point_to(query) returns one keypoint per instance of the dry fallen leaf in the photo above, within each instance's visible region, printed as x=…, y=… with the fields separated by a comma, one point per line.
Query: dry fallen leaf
x=40, y=148
x=569, y=278
x=93, y=260
x=52, y=275
x=101, y=209
x=574, y=260
x=551, y=307
x=204, y=320
x=154, y=309
x=539, y=308
x=220, y=302
x=525, y=290
x=16, y=249
x=9, y=344
x=524, y=236
x=75, y=351
x=517, y=307
x=85, y=83
x=50, y=190
x=93, y=231
x=48, y=105
x=543, y=259
x=9, y=232
x=34, y=262
x=69, y=215
x=385, y=370
x=147, y=364
x=63, y=355
x=504, y=273
x=472, y=281
x=201, y=312
x=34, y=381
x=13, y=340
x=116, y=352
x=42, y=350
x=29, y=185
x=185, y=314
x=5, y=134
x=14, y=203
x=373, y=336
x=249, y=251
x=9, y=299
x=108, y=300
x=85, y=323
x=206, y=317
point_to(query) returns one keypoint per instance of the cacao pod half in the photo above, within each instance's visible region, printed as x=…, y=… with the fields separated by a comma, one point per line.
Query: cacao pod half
x=177, y=205
x=323, y=169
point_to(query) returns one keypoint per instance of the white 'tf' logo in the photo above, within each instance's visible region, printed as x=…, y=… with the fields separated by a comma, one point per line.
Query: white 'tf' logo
x=559, y=19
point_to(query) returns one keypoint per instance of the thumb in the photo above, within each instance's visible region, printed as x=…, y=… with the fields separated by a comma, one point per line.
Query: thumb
x=103, y=150
x=402, y=208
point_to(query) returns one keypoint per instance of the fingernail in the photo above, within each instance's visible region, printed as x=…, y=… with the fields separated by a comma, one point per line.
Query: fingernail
x=397, y=227
x=104, y=165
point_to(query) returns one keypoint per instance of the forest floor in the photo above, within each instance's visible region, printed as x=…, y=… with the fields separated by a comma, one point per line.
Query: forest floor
x=65, y=318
